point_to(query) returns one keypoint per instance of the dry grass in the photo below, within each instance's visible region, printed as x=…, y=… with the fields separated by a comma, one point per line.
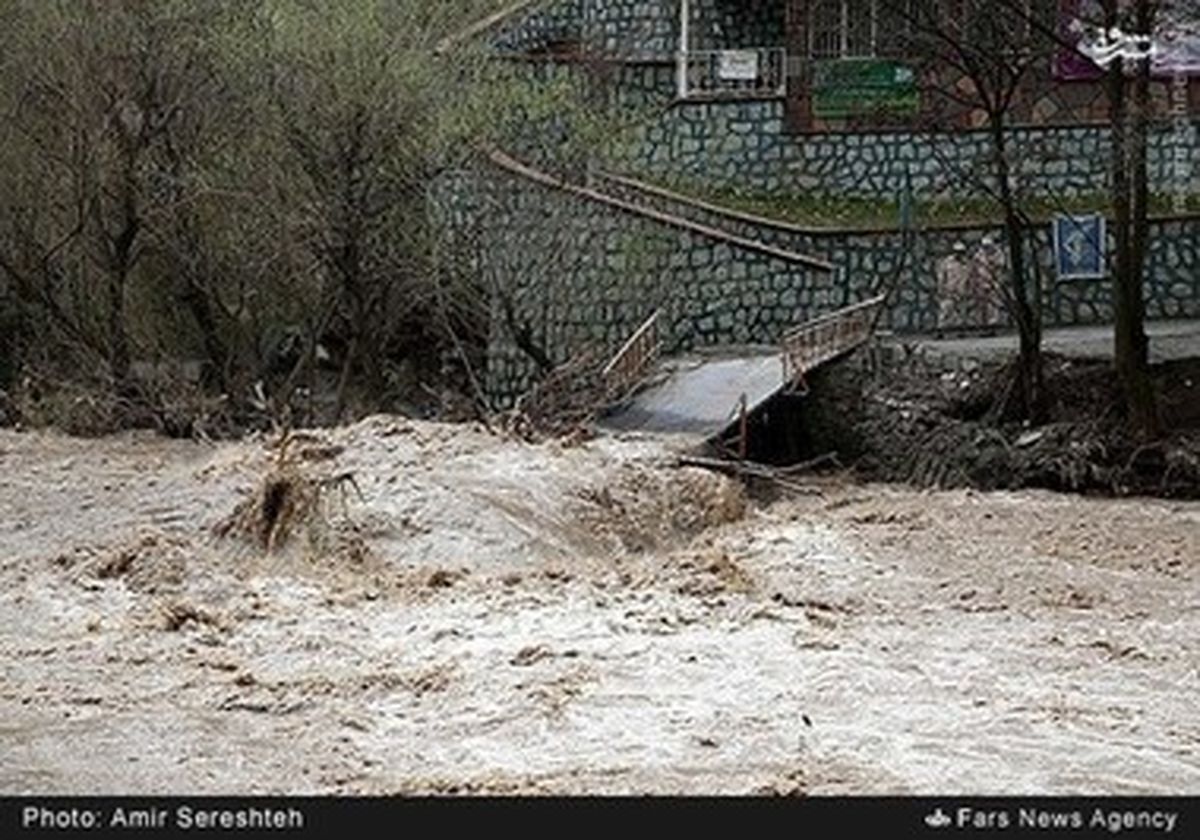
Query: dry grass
x=293, y=499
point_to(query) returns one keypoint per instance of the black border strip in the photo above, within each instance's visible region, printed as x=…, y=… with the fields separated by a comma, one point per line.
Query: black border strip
x=802, y=816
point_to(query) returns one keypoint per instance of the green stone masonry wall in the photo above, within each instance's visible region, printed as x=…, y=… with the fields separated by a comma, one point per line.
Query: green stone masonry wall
x=646, y=30
x=578, y=274
x=742, y=144
x=868, y=262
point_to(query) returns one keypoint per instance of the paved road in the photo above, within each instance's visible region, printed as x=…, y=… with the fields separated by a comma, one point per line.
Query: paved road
x=701, y=395
x=1168, y=340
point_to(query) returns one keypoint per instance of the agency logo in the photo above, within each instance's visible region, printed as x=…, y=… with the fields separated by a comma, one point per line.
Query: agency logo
x=938, y=819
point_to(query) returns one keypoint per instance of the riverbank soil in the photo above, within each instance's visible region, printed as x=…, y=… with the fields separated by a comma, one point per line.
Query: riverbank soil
x=943, y=424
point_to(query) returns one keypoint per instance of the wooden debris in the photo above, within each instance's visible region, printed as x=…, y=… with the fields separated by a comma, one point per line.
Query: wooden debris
x=782, y=476
x=564, y=404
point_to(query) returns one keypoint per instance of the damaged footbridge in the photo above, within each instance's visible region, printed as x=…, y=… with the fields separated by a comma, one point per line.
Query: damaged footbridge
x=715, y=395
x=713, y=325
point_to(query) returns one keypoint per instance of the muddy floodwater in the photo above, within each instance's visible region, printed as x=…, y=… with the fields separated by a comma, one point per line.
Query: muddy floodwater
x=468, y=614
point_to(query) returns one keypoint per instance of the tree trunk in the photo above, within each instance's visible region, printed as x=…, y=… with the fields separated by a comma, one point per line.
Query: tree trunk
x=1026, y=311
x=344, y=379
x=120, y=267
x=195, y=298
x=197, y=293
x=1129, y=117
x=118, y=335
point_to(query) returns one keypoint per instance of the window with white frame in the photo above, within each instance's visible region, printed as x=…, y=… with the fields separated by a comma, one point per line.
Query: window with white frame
x=843, y=28
x=884, y=28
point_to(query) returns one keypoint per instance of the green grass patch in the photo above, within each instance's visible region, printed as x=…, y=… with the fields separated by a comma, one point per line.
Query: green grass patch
x=854, y=213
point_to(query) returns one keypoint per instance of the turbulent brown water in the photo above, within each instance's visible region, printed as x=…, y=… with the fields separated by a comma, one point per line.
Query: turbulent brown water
x=492, y=616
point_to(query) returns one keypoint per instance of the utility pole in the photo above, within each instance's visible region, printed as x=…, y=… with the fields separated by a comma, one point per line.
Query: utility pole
x=685, y=27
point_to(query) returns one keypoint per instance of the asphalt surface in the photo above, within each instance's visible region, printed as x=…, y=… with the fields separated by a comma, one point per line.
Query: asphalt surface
x=1168, y=340
x=702, y=395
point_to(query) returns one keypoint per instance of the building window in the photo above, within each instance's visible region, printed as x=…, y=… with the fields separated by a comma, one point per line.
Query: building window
x=840, y=29
x=843, y=29
x=982, y=24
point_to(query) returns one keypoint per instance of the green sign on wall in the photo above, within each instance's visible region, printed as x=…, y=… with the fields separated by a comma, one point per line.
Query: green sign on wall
x=853, y=87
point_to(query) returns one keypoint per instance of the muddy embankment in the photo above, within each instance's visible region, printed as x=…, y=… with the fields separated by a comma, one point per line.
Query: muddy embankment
x=933, y=424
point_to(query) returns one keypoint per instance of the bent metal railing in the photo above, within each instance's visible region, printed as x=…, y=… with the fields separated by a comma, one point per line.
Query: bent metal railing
x=733, y=74
x=633, y=361
x=823, y=339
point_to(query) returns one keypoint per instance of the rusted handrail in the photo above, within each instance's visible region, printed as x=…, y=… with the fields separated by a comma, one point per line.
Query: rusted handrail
x=633, y=360
x=828, y=336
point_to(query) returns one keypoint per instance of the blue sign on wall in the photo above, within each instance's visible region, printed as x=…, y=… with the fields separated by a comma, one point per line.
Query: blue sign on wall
x=1079, y=247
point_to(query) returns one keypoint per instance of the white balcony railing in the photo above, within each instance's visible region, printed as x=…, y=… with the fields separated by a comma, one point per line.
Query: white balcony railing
x=733, y=74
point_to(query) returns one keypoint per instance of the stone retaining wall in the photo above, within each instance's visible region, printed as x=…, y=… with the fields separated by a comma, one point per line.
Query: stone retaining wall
x=742, y=144
x=579, y=271
x=867, y=261
x=645, y=30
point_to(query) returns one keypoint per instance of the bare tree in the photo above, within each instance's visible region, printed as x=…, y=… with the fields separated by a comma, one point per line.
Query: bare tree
x=1128, y=86
x=975, y=59
x=371, y=114
x=248, y=181
x=114, y=110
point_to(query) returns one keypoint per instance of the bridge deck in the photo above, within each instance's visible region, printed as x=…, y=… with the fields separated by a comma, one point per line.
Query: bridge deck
x=709, y=394
x=702, y=395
